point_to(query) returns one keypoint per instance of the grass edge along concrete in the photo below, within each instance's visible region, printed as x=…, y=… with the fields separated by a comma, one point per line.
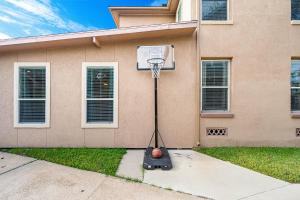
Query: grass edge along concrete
x=278, y=162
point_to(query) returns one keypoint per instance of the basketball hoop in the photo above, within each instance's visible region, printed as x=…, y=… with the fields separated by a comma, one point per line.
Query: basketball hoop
x=155, y=65
x=156, y=58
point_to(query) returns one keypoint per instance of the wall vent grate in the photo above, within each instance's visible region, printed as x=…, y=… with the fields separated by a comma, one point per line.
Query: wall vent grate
x=297, y=132
x=216, y=132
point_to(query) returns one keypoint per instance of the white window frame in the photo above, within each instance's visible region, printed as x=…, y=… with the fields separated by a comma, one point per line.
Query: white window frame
x=105, y=65
x=228, y=87
x=179, y=9
x=227, y=21
x=295, y=21
x=185, y=9
x=294, y=60
x=17, y=66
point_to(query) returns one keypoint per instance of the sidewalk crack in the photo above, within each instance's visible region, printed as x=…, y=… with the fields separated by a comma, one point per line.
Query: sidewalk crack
x=18, y=167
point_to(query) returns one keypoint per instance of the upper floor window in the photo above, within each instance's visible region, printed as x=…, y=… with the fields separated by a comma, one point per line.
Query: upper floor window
x=215, y=85
x=295, y=9
x=32, y=94
x=295, y=85
x=100, y=95
x=215, y=10
x=179, y=12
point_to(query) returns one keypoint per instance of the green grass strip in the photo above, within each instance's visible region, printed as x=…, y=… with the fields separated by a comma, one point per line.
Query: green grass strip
x=281, y=163
x=100, y=160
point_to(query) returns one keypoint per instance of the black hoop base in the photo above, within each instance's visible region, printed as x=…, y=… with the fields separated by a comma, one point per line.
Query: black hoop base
x=163, y=162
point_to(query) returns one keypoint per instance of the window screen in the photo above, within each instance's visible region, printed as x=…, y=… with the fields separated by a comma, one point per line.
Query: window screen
x=215, y=85
x=100, y=95
x=295, y=9
x=32, y=94
x=295, y=85
x=214, y=10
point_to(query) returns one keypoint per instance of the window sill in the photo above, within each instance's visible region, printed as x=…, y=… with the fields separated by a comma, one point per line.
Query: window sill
x=217, y=115
x=295, y=115
x=108, y=126
x=228, y=22
x=32, y=126
x=295, y=22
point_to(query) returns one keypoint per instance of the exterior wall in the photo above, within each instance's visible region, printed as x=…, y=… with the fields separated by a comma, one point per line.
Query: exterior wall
x=177, y=118
x=259, y=39
x=261, y=42
x=139, y=20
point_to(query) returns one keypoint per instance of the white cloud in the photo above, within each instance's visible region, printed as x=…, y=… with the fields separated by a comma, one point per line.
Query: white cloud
x=7, y=19
x=4, y=36
x=20, y=17
x=37, y=16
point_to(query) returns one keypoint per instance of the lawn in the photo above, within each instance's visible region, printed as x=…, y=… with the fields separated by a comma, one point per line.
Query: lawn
x=104, y=161
x=281, y=163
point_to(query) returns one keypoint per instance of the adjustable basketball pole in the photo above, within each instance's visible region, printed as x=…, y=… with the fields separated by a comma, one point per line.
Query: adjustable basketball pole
x=156, y=113
x=150, y=160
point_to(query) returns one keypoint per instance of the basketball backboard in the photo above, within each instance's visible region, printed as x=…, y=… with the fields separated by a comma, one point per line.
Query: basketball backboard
x=165, y=52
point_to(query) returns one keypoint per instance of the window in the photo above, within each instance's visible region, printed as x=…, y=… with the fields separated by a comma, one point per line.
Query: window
x=295, y=85
x=215, y=10
x=295, y=9
x=32, y=95
x=179, y=12
x=100, y=95
x=215, y=85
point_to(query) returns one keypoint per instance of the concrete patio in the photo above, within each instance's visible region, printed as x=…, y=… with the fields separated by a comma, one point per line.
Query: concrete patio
x=23, y=178
x=202, y=175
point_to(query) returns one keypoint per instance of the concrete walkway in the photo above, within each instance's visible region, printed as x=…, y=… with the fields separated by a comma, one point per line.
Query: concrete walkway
x=202, y=175
x=23, y=178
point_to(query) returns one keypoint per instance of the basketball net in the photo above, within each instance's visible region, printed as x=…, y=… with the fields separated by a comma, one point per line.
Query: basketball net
x=155, y=65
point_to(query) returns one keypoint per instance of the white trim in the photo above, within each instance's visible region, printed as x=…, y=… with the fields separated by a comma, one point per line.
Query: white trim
x=228, y=87
x=99, y=33
x=295, y=22
x=17, y=66
x=228, y=21
x=86, y=65
x=208, y=22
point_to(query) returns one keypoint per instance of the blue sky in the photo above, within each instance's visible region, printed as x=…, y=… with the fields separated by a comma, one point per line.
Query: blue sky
x=23, y=18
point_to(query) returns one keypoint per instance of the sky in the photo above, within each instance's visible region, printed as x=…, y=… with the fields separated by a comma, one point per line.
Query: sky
x=24, y=18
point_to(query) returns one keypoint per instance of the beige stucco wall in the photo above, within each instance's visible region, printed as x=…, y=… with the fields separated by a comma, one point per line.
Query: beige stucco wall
x=177, y=119
x=261, y=42
x=138, y=20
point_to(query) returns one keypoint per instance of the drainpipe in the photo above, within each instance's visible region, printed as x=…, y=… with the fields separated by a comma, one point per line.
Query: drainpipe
x=96, y=42
x=198, y=123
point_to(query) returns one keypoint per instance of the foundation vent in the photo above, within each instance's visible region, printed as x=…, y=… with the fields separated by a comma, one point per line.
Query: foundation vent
x=216, y=132
x=297, y=132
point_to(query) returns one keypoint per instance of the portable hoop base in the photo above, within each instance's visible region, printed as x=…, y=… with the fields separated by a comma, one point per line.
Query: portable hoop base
x=163, y=162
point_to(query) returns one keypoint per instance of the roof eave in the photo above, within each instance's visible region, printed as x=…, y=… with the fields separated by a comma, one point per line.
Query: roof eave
x=101, y=35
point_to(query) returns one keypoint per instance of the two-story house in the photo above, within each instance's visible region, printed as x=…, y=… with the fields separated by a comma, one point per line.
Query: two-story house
x=236, y=81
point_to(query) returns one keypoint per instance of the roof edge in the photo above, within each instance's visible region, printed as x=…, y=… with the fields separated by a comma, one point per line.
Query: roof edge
x=97, y=33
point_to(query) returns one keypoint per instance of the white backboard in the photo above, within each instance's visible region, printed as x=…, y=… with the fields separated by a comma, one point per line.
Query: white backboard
x=166, y=52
